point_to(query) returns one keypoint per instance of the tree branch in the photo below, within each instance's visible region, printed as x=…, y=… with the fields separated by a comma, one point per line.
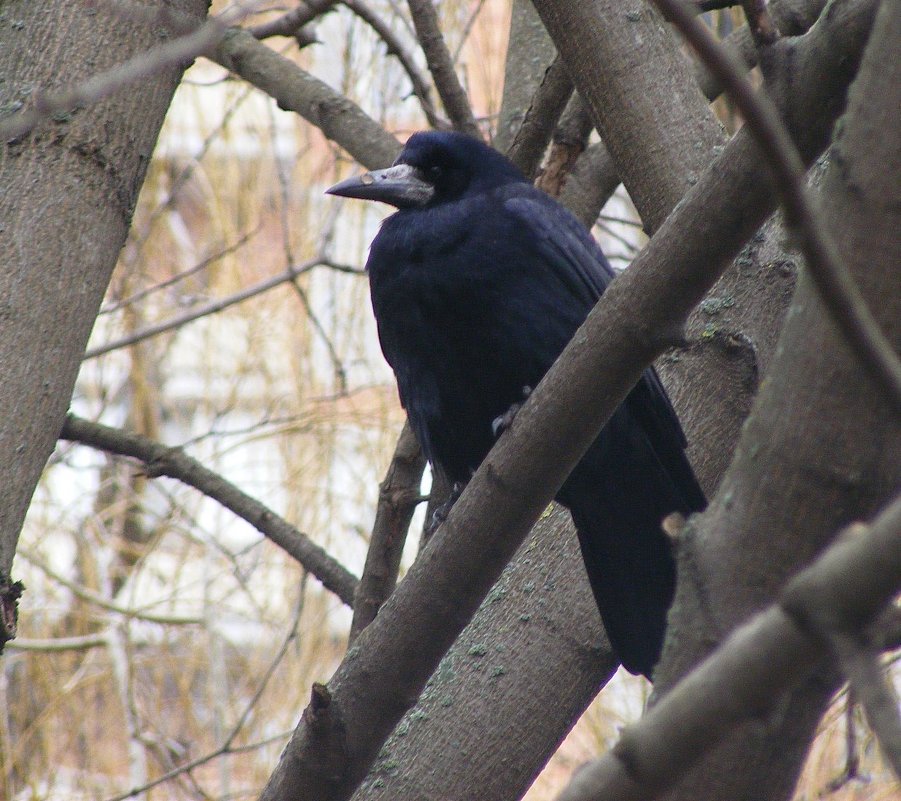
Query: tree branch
x=174, y=463
x=537, y=126
x=215, y=306
x=425, y=20
x=294, y=89
x=290, y=23
x=398, y=497
x=745, y=677
x=194, y=40
x=836, y=287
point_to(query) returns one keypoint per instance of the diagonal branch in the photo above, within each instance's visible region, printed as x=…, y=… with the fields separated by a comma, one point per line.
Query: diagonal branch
x=398, y=497
x=175, y=463
x=441, y=65
x=746, y=676
x=290, y=23
x=218, y=305
x=294, y=89
x=193, y=40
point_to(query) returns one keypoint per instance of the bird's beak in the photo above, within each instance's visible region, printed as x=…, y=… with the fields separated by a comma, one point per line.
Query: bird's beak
x=401, y=185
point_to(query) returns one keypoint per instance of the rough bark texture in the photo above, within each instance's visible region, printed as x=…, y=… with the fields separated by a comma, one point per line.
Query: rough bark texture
x=650, y=113
x=527, y=610
x=530, y=53
x=821, y=448
x=67, y=193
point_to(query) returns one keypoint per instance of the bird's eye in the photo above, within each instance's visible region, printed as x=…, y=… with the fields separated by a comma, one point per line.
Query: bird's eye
x=435, y=172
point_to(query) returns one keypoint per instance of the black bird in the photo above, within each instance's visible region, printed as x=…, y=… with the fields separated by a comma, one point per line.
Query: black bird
x=478, y=282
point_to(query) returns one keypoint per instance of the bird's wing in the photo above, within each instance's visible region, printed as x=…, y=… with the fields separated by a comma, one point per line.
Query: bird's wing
x=564, y=243
x=577, y=260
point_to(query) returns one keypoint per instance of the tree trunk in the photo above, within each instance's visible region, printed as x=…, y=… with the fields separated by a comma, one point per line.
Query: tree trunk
x=67, y=193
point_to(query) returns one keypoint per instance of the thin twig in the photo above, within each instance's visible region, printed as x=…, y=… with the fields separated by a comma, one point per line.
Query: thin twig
x=835, y=285
x=226, y=746
x=456, y=103
x=83, y=642
x=95, y=598
x=290, y=23
x=161, y=460
x=199, y=267
x=396, y=48
x=218, y=305
x=467, y=29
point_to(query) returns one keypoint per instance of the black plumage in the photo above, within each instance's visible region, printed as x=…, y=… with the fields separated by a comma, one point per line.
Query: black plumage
x=478, y=282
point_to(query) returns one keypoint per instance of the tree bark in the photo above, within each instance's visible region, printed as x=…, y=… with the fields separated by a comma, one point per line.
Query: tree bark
x=67, y=193
x=820, y=449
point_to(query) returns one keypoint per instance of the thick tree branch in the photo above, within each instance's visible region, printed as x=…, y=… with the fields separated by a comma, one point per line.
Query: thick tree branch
x=537, y=126
x=161, y=460
x=792, y=17
x=743, y=679
x=838, y=290
x=441, y=65
x=296, y=90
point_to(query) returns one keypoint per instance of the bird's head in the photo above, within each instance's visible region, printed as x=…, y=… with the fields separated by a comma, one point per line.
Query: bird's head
x=434, y=167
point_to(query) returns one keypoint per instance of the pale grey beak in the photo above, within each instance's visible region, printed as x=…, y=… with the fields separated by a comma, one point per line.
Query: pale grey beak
x=401, y=185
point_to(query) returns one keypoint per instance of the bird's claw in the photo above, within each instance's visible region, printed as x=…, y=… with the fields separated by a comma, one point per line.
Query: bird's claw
x=502, y=422
x=441, y=512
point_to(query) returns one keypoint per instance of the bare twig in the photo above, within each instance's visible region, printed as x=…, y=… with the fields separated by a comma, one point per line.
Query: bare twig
x=199, y=267
x=181, y=50
x=84, y=642
x=853, y=580
x=834, y=283
x=396, y=48
x=467, y=29
x=216, y=306
x=175, y=463
x=425, y=19
x=227, y=744
x=290, y=23
x=398, y=497
x=92, y=597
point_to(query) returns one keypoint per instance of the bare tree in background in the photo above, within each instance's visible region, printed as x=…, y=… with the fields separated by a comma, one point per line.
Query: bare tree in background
x=461, y=682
